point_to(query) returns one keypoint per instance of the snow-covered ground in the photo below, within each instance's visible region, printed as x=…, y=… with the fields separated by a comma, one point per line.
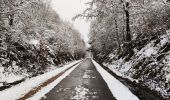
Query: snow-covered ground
x=21, y=89
x=10, y=78
x=119, y=67
x=119, y=91
x=12, y=74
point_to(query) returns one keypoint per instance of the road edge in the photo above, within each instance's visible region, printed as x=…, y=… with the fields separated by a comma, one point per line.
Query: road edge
x=35, y=90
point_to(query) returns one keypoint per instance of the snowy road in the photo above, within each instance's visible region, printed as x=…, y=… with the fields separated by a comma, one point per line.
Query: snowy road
x=89, y=81
x=84, y=83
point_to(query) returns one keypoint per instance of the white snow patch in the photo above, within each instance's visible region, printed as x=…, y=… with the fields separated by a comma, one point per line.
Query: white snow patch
x=49, y=87
x=10, y=78
x=120, y=72
x=163, y=41
x=112, y=55
x=168, y=78
x=81, y=93
x=87, y=74
x=119, y=91
x=126, y=66
x=34, y=42
x=1, y=69
x=21, y=89
x=120, y=68
x=11, y=74
x=148, y=52
x=115, y=71
x=1, y=84
x=13, y=78
x=167, y=62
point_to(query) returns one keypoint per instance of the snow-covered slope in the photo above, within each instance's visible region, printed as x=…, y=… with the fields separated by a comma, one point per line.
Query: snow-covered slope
x=149, y=66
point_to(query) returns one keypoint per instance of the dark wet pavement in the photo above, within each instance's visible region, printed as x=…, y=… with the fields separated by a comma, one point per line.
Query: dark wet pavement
x=84, y=83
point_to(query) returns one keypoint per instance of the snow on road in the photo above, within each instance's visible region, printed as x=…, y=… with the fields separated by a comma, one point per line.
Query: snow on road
x=119, y=91
x=21, y=89
x=87, y=74
x=81, y=93
x=45, y=90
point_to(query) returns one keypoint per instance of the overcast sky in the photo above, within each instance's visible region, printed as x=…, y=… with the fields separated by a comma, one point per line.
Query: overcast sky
x=68, y=9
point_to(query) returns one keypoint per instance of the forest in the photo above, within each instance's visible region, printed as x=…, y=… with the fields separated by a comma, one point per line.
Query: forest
x=33, y=37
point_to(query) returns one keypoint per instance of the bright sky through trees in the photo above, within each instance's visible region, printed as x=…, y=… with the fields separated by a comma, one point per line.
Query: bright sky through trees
x=68, y=9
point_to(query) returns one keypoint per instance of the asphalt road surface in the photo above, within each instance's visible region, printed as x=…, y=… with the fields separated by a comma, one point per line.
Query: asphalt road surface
x=84, y=83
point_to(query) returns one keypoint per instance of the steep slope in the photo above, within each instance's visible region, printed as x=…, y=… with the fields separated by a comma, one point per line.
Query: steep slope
x=149, y=66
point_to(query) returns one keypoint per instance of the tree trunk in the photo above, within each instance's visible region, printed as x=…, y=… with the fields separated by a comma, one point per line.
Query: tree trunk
x=11, y=19
x=128, y=35
x=117, y=35
x=123, y=29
